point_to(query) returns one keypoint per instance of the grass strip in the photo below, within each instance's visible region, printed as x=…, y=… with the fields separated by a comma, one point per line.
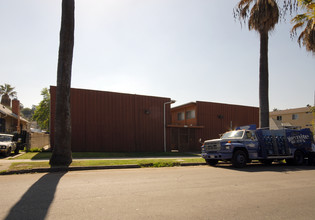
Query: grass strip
x=86, y=163
x=81, y=155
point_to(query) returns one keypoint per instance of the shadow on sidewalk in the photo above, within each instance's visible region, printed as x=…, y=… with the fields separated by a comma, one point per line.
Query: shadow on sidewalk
x=35, y=203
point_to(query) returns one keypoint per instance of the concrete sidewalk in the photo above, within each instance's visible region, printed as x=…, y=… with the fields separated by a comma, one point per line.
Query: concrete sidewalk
x=5, y=164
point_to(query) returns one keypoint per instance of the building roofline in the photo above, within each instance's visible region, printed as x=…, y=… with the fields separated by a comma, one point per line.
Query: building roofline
x=220, y=103
x=217, y=103
x=7, y=111
x=118, y=93
x=183, y=105
x=290, y=111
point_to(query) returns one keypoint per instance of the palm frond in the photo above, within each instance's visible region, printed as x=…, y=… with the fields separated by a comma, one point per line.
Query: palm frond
x=307, y=21
x=241, y=4
x=301, y=37
x=296, y=26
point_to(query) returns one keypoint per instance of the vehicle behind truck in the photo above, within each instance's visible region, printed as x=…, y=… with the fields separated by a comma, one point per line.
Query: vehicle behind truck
x=242, y=146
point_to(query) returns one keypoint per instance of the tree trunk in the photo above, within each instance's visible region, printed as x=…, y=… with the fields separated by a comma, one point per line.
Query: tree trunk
x=263, y=82
x=62, y=155
x=5, y=100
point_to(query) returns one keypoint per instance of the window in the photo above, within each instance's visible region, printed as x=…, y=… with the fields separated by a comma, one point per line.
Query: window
x=233, y=134
x=295, y=116
x=190, y=114
x=180, y=116
x=279, y=118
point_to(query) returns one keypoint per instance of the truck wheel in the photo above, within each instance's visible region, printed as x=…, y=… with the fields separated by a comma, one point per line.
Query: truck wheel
x=239, y=159
x=211, y=162
x=298, y=158
x=8, y=153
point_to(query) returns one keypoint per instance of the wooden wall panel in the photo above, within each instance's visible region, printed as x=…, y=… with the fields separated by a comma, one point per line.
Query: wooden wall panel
x=115, y=122
x=218, y=118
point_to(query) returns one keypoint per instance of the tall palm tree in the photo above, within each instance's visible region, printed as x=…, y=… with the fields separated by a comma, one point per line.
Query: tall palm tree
x=62, y=155
x=7, y=93
x=306, y=21
x=262, y=17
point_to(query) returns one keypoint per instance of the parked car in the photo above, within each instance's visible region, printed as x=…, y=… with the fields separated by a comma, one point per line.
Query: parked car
x=7, y=144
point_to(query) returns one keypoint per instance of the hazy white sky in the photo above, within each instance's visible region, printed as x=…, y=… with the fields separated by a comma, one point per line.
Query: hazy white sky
x=187, y=50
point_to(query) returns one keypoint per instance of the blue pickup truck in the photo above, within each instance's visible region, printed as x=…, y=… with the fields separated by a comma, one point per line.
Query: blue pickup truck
x=242, y=146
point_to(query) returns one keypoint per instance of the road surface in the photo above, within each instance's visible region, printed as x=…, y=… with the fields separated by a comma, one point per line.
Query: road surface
x=201, y=192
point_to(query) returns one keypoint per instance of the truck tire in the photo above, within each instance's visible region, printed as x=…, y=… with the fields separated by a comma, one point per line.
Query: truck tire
x=8, y=153
x=211, y=162
x=239, y=159
x=298, y=158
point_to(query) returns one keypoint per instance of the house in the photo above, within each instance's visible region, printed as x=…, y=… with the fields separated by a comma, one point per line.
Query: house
x=206, y=120
x=292, y=118
x=10, y=120
x=115, y=122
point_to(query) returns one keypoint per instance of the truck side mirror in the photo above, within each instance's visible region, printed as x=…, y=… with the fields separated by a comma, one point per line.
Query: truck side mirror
x=200, y=141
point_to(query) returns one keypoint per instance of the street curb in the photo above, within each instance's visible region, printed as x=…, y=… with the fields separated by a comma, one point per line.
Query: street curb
x=66, y=169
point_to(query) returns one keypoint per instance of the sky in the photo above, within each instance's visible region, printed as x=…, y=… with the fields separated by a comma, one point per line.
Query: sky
x=186, y=50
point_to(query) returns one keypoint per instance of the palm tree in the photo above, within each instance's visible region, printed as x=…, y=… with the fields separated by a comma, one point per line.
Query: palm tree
x=262, y=17
x=306, y=21
x=7, y=92
x=61, y=155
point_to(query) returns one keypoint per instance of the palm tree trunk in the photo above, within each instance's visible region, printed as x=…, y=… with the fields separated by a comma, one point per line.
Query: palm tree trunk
x=5, y=100
x=263, y=82
x=62, y=155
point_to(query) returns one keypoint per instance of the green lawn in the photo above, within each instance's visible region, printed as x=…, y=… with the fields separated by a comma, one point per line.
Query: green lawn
x=141, y=162
x=80, y=155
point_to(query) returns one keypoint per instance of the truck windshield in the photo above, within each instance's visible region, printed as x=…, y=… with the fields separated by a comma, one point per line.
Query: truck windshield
x=4, y=138
x=232, y=134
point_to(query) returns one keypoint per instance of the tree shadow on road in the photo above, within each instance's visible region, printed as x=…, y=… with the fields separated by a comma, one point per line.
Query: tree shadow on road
x=276, y=167
x=35, y=203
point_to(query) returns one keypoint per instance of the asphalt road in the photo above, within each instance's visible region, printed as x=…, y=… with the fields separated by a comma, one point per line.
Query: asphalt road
x=256, y=192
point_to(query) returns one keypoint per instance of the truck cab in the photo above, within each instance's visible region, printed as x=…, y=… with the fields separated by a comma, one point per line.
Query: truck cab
x=222, y=149
x=7, y=144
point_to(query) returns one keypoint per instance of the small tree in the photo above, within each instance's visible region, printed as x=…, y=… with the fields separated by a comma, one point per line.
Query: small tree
x=41, y=114
x=28, y=113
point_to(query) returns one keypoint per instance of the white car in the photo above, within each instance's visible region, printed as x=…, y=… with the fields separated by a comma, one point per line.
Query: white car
x=7, y=145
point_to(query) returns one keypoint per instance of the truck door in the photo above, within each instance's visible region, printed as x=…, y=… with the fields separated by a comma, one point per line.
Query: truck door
x=251, y=143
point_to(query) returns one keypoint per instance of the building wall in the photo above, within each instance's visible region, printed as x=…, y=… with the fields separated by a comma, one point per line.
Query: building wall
x=115, y=122
x=211, y=120
x=305, y=118
x=183, y=110
x=11, y=124
x=218, y=118
x=9, y=118
x=38, y=140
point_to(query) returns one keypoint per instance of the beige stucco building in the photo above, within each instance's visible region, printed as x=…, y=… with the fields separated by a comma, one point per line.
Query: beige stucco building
x=297, y=117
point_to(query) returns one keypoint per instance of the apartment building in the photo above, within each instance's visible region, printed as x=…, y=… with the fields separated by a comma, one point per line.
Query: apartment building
x=292, y=118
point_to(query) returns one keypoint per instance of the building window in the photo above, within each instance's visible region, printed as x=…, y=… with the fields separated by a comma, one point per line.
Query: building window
x=180, y=116
x=190, y=114
x=279, y=118
x=295, y=116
